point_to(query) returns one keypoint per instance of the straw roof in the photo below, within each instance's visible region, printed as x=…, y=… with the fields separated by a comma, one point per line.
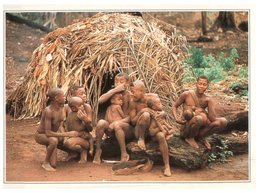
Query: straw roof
x=93, y=49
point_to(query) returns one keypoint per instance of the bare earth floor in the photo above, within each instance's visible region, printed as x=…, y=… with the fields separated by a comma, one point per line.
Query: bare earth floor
x=24, y=157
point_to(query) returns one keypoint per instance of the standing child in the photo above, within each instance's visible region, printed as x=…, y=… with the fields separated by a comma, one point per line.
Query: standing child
x=158, y=121
x=47, y=133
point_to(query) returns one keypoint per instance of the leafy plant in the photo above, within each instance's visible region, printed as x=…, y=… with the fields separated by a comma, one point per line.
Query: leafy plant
x=221, y=153
x=215, y=68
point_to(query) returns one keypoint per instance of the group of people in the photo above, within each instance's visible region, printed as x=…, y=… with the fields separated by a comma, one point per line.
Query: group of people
x=132, y=114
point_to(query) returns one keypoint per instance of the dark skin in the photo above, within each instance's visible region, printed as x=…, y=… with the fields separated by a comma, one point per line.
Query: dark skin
x=120, y=128
x=74, y=123
x=159, y=129
x=85, y=115
x=139, y=117
x=198, y=120
x=114, y=111
x=47, y=133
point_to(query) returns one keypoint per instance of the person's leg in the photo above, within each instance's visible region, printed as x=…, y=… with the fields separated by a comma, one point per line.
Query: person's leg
x=80, y=145
x=214, y=127
x=142, y=125
x=122, y=131
x=51, y=144
x=165, y=152
x=100, y=128
x=191, y=129
x=51, y=155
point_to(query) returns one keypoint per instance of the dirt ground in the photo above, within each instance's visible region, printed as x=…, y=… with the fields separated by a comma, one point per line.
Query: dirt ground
x=23, y=156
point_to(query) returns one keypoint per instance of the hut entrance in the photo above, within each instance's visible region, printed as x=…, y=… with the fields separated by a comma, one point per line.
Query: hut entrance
x=107, y=84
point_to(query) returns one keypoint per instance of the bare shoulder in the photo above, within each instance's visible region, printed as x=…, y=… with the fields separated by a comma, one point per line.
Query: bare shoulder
x=47, y=112
x=87, y=106
x=185, y=94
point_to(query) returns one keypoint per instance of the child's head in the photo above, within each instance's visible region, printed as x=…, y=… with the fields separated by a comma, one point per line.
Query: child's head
x=76, y=104
x=56, y=95
x=122, y=78
x=188, y=114
x=117, y=99
x=78, y=91
x=154, y=103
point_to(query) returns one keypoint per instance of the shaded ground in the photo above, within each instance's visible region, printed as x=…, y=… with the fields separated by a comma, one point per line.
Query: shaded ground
x=23, y=155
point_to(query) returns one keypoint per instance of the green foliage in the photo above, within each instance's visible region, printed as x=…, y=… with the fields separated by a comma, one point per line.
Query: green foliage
x=215, y=68
x=228, y=63
x=243, y=72
x=240, y=88
x=221, y=153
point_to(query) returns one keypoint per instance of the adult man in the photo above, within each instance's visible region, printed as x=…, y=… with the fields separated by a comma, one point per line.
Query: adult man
x=121, y=128
x=199, y=114
x=141, y=117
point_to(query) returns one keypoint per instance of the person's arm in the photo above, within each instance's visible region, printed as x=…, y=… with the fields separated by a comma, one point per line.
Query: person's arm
x=120, y=111
x=86, y=114
x=48, y=130
x=177, y=103
x=211, y=110
x=133, y=114
x=105, y=97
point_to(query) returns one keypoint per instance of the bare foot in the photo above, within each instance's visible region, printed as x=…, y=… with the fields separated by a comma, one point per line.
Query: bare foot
x=91, y=152
x=141, y=144
x=124, y=157
x=48, y=167
x=97, y=159
x=167, y=172
x=192, y=142
x=83, y=157
x=71, y=155
x=206, y=143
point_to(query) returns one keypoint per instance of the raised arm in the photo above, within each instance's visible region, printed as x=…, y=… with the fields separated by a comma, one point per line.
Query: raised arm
x=105, y=97
x=177, y=103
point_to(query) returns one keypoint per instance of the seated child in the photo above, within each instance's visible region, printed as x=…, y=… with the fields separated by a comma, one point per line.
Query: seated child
x=114, y=112
x=75, y=123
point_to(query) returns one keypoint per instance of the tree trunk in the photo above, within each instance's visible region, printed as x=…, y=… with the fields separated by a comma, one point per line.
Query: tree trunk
x=225, y=20
x=204, y=23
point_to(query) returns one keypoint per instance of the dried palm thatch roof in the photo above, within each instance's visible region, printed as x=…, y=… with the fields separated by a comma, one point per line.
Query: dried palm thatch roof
x=89, y=51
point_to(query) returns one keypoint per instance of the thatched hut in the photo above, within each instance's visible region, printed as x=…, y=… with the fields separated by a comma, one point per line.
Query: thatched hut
x=91, y=51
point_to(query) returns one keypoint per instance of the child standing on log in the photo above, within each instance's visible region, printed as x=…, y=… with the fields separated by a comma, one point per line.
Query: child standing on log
x=47, y=133
x=158, y=121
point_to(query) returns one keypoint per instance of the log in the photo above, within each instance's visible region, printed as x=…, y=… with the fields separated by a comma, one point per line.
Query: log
x=234, y=139
x=181, y=154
